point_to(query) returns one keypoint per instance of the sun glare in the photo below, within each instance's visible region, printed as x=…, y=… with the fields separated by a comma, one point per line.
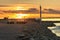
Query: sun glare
x=21, y=16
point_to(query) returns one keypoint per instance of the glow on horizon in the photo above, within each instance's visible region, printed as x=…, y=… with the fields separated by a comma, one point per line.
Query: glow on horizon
x=29, y=15
x=21, y=16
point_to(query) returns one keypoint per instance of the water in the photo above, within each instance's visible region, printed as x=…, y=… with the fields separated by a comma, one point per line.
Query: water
x=56, y=29
x=10, y=31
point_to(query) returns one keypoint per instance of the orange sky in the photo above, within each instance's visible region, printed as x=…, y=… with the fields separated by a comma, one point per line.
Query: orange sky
x=27, y=15
x=15, y=6
x=23, y=6
x=54, y=4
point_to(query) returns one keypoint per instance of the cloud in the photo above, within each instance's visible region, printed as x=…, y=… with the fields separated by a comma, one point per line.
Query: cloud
x=51, y=11
x=33, y=10
x=4, y=6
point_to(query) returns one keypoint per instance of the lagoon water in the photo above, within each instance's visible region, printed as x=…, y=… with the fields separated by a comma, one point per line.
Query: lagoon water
x=55, y=29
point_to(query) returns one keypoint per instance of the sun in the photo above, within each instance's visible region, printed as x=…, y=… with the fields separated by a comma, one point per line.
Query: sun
x=21, y=16
x=20, y=8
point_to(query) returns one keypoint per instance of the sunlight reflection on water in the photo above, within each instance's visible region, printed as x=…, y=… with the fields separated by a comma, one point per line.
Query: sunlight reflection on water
x=55, y=29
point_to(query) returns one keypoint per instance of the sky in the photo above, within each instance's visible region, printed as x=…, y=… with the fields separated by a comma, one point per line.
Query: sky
x=55, y=4
x=46, y=4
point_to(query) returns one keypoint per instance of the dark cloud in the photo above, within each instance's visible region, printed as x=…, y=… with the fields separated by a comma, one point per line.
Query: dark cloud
x=33, y=10
x=51, y=11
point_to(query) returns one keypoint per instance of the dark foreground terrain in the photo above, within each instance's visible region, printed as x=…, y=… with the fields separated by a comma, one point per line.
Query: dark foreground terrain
x=28, y=31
